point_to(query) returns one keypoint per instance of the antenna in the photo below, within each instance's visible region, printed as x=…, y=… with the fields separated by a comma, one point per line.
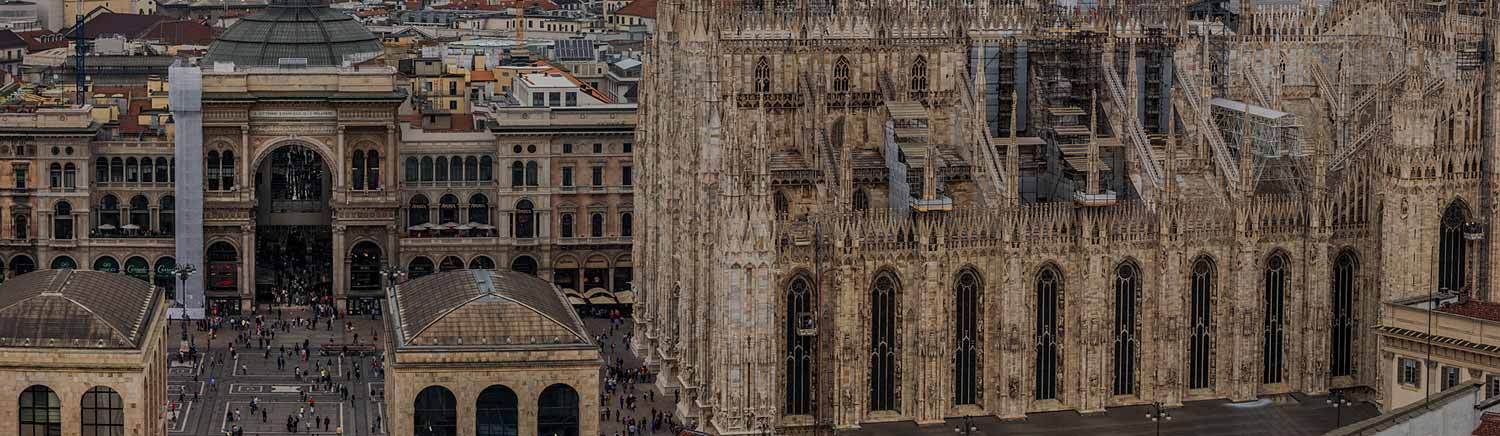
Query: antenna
x=78, y=54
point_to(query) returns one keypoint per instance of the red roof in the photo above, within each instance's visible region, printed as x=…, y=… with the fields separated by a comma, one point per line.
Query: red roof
x=110, y=23
x=38, y=40
x=181, y=32
x=639, y=8
x=1489, y=425
x=1474, y=309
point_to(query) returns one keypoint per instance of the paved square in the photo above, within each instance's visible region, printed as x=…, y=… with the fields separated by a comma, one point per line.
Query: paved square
x=226, y=382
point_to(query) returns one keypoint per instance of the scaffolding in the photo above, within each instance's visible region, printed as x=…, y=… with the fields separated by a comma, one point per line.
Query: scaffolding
x=1273, y=138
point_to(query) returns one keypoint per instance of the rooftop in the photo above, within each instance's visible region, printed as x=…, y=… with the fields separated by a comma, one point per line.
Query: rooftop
x=75, y=309
x=1474, y=309
x=295, y=29
x=484, y=309
x=544, y=80
x=639, y=8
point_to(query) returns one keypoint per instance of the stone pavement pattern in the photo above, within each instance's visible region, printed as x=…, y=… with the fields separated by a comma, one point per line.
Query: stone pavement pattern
x=253, y=375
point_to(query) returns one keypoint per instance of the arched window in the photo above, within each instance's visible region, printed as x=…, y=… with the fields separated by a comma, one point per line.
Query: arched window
x=763, y=76
x=1200, y=338
x=1273, y=341
x=524, y=226
x=65, y=262
x=117, y=169
x=412, y=174
x=210, y=170
x=486, y=168
x=41, y=412
x=364, y=266
x=841, y=75
x=427, y=169
x=801, y=342
x=1127, y=305
x=450, y=263
x=372, y=170
x=524, y=265
x=165, y=215
x=54, y=176
x=456, y=168
x=1049, y=344
x=966, y=361
x=471, y=169
x=557, y=411
x=103, y=412
x=627, y=225
x=21, y=264
x=861, y=200
x=109, y=213
x=566, y=228
x=596, y=225
x=479, y=209
x=532, y=172
x=62, y=220
x=419, y=267
x=132, y=170
x=1452, y=255
x=227, y=170
x=357, y=170
x=919, y=75
x=162, y=170
x=496, y=412
x=140, y=213
x=481, y=262
x=781, y=205
x=435, y=412
x=517, y=174
x=70, y=176
x=885, y=345
x=442, y=169
x=1345, y=319
x=448, y=209
x=105, y=264
x=416, y=211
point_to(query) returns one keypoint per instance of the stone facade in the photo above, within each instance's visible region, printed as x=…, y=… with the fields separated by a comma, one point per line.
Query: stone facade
x=773, y=135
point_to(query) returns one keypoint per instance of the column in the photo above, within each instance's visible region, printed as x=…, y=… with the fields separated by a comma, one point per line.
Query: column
x=340, y=267
x=186, y=103
x=247, y=266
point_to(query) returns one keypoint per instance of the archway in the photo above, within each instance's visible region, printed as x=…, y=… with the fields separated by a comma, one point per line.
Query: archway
x=557, y=411
x=435, y=412
x=293, y=240
x=497, y=407
x=61, y=262
x=418, y=268
x=164, y=277
x=21, y=264
x=450, y=263
x=481, y=262
x=104, y=264
x=139, y=268
x=524, y=264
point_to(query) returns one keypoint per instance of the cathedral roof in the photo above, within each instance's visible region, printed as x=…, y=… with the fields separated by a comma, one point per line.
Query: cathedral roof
x=482, y=308
x=292, y=29
x=75, y=309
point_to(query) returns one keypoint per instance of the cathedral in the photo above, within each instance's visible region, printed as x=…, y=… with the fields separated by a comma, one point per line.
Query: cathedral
x=862, y=211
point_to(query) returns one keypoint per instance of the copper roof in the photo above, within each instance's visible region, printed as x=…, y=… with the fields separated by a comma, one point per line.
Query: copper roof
x=75, y=309
x=481, y=308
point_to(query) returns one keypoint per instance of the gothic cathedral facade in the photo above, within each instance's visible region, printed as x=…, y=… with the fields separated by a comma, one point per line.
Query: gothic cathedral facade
x=862, y=211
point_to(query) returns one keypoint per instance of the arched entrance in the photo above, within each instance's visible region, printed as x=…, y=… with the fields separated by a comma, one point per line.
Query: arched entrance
x=364, y=275
x=524, y=264
x=293, y=238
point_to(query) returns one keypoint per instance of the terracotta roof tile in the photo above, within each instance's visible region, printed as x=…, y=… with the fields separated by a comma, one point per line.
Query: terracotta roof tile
x=639, y=8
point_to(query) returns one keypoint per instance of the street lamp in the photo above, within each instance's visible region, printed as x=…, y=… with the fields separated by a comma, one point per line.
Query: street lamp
x=967, y=427
x=1339, y=401
x=1157, y=414
x=182, y=272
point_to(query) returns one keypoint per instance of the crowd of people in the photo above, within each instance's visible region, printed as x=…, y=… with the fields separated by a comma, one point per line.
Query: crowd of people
x=301, y=362
x=620, y=397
